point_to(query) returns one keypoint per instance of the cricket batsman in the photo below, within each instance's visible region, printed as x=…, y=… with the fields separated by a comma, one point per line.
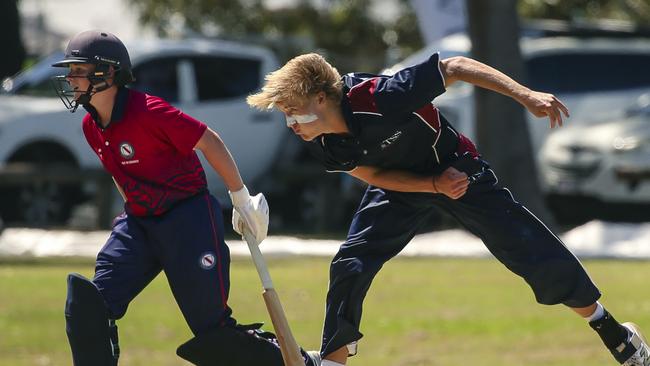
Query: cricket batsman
x=171, y=222
x=385, y=131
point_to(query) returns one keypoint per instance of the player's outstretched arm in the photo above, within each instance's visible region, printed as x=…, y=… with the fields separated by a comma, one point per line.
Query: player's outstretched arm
x=474, y=72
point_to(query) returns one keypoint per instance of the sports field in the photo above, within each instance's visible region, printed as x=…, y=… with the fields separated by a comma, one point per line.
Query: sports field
x=419, y=312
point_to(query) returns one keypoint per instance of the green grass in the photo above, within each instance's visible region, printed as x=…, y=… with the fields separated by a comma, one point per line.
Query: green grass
x=418, y=312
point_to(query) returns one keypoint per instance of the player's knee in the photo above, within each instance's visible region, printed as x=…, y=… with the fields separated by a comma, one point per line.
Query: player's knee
x=92, y=335
x=555, y=281
x=233, y=346
x=347, y=265
x=354, y=266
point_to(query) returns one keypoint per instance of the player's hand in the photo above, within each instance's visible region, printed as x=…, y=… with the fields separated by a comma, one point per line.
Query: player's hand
x=545, y=105
x=250, y=213
x=452, y=183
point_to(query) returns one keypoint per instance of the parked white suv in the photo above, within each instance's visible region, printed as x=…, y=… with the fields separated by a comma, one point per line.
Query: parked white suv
x=207, y=79
x=602, y=169
x=597, y=78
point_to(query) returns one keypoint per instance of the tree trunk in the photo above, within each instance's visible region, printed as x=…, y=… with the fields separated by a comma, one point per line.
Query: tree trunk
x=502, y=130
x=12, y=46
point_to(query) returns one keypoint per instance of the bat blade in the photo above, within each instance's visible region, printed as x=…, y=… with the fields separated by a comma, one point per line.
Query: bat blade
x=288, y=345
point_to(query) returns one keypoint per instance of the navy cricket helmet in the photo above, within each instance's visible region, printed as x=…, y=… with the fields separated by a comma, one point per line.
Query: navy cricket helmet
x=102, y=49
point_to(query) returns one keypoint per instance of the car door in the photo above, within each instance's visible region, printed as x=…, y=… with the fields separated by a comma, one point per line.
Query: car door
x=222, y=84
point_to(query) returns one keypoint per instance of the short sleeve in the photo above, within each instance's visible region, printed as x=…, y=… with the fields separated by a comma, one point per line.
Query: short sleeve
x=403, y=92
x=181, y=130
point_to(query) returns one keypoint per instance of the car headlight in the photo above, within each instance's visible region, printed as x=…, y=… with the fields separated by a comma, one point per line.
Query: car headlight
x=625, y=144
x=7, y=84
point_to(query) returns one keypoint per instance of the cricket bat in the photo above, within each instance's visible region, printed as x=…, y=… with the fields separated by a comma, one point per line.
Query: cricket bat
x=288, y=345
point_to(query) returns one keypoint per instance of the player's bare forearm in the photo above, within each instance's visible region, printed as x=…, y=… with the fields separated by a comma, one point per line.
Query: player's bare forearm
x=217, y=154
x=451, y=182
x=474, y=72
x=119, y=189
x=394, y=180
x=465, y=69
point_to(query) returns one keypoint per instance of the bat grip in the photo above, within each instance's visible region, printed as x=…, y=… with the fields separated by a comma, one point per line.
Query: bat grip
x=258, y=259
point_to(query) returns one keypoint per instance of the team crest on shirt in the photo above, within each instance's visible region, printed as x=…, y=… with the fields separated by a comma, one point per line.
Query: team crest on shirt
x=126, y=150
x=207, y=260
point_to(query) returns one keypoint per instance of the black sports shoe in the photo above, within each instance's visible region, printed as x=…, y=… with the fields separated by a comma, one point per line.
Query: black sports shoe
x=634, y=351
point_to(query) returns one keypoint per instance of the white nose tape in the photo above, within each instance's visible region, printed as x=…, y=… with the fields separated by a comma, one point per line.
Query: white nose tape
x=300, y=118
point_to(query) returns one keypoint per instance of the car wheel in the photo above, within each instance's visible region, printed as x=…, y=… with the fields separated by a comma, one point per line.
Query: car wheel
x=39, y=203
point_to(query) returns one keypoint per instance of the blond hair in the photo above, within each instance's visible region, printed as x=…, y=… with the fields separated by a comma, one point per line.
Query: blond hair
x=300, y=78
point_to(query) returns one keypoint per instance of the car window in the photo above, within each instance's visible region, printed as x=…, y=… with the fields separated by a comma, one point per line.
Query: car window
x=42, y=88
x=225, y=77
x=588, y=72
x=158, y=77
x=35, y=81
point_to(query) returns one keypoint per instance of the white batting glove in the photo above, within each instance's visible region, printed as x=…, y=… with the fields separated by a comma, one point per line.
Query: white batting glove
x=250, y=213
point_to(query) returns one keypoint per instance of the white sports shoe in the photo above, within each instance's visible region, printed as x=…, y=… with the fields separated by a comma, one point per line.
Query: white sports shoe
x=641, y=356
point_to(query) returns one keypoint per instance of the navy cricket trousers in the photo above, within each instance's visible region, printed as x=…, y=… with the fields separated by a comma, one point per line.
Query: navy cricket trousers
x=387, y=220
x=187, y=243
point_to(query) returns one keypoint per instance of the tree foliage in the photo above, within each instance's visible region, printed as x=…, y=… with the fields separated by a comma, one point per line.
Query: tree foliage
x=636, y=11
x=345, y=29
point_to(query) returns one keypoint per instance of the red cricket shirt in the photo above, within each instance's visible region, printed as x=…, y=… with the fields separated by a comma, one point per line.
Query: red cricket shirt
x=148, y=148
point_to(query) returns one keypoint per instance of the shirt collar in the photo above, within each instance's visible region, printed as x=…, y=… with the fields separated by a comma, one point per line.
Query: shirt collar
x=119, y=107
x=348, y=115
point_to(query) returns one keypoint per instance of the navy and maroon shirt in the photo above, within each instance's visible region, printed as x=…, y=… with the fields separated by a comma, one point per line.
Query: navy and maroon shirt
x=393, y=124
x=148, y=148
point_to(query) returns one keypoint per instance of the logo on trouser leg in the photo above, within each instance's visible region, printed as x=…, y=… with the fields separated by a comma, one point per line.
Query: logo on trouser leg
x=207, y=260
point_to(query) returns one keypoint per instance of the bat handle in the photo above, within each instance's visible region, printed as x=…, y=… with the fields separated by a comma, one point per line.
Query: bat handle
x=258, y=259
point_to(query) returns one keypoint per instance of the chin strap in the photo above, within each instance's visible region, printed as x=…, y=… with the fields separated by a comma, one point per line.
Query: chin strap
x=84, y=99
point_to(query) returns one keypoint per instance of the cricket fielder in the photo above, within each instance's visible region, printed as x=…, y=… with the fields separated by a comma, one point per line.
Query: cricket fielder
x=385, y=131
x=171, y=222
